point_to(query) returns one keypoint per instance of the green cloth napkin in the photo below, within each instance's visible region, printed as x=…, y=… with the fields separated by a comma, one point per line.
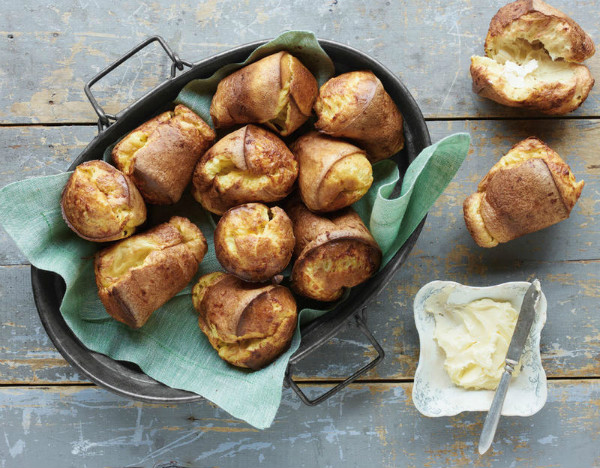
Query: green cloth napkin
x=170, y=347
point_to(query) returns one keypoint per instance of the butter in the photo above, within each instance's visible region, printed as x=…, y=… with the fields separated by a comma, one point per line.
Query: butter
x=515, y=73
x=475, y=337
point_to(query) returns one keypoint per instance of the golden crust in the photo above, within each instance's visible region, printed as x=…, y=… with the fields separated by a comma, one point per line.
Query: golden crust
x=334, y=252
x=254, y=242
x=138, y=275
x=248, y=165
x=530, y=148
x=535, y=20
x=276, y=91
x=248, y=324
x=552, y=96
x=100, y=204
x=529, y=189
x=355, y=105
x=160, y=155
x=475, y=223
x=333, y=174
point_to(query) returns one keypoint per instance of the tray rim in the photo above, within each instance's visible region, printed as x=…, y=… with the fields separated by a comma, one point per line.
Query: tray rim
x=93, y=369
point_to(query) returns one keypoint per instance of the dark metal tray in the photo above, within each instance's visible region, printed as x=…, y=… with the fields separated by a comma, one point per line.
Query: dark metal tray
x=126, y=379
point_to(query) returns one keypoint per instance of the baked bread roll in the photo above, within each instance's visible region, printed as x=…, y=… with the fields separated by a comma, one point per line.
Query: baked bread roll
x=254, y=242
x=532, y=59
x=333, y=174
x=355, y=105
x=334, y=251
x=101, y=204
x=248, y=165
x=276, y=91
x=160, y=155
x=138, y=275
x=248, y=324
x=527, y=190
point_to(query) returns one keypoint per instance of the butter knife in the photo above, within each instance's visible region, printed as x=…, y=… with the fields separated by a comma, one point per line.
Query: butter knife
x=515, y=349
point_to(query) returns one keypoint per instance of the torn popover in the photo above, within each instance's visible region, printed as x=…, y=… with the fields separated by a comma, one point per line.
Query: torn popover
x=533, y=54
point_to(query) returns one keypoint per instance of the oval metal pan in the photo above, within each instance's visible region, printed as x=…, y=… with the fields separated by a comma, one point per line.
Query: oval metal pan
x=125, y=378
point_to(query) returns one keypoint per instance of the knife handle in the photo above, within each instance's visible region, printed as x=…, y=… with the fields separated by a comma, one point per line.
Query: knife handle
x=493, y=416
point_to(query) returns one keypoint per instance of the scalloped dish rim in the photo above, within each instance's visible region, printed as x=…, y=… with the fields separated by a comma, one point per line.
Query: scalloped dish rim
x=431, y=382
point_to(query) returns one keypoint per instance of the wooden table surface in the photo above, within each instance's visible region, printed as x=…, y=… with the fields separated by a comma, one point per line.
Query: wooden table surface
x=51, y=416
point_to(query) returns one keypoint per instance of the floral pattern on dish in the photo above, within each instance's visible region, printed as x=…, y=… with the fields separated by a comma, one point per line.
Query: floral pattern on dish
x=434, y=394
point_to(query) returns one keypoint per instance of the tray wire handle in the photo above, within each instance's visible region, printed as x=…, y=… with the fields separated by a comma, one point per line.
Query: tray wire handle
x=358, y=321
x=104, y=119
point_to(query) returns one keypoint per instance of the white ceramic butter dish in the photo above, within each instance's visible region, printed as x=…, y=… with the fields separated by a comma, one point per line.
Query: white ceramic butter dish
x=434, y=394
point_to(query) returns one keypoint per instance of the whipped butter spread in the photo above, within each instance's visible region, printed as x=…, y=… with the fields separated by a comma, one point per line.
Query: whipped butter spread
x=515, y=73
x=475, y=337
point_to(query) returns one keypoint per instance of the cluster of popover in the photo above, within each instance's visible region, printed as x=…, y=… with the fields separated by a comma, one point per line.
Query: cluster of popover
x=246, y=314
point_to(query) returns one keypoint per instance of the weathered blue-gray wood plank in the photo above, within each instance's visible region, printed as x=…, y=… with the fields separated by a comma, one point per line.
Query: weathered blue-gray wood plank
x=368, y=425
x=571, y=341
x=51, y=48
x=26, y=353
x=34, y=151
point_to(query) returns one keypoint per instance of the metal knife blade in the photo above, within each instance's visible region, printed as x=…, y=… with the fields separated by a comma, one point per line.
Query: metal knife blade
x=515, y=349
x=524, y=322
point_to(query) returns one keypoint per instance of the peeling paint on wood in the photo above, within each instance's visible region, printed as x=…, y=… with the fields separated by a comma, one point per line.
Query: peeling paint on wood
x=367, y=425
x=444, y=251
x=428, y=44
x=568, y=350
x=46, y=59
x=33, y=151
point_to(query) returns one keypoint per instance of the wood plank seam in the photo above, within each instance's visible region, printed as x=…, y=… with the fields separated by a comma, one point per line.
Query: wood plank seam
x=523, y=262
x=299, y=380
x=90, y=123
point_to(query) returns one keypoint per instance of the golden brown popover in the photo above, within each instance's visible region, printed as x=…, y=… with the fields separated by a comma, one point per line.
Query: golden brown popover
x=160, y=155
x=101, y=204
x=138, y=275
x=532, y=59
x=276, y=91
x=333, y=174
x=248, y=324
x=254, y=242
x=527, y=190
x=355, y=105
x=248, y=165
x=334, y=251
